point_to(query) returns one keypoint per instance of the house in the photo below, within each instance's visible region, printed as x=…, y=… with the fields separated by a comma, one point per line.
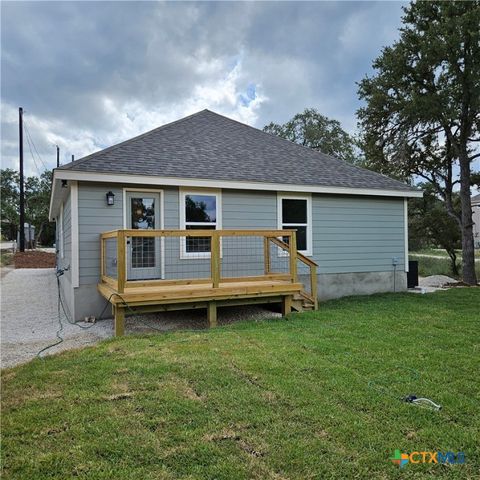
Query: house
x=206, y=200
x=476, y=220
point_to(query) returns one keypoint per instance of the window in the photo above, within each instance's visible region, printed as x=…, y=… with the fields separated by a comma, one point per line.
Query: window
x=143, y=218
x=295, y=213
x=199, y=211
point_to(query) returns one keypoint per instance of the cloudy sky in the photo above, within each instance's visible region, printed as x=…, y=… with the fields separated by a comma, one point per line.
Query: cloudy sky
x=91, y=74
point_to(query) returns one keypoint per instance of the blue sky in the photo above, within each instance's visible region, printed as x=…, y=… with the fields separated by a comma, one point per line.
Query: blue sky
x=92, y=74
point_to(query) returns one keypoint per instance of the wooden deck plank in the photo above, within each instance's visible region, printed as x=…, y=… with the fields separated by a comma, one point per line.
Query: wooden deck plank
x=199, y=292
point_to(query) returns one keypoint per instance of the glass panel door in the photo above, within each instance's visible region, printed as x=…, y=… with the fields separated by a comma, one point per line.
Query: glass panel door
x=144, y=253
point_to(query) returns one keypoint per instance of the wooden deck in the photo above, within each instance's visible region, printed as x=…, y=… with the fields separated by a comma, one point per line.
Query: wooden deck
x=155, y=295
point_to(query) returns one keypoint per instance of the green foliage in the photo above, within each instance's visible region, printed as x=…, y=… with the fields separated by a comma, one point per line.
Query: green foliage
x=37, y=203
x=422, y=112
x=315, y=396
x=9, y=197
x=429, y=224
x=314, y=130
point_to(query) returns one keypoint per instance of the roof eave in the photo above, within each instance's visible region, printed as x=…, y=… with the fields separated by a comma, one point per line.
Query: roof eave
x=232, y=184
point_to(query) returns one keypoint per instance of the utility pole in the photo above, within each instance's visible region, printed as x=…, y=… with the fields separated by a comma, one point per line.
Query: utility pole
x=22, y=190
x=58, y=156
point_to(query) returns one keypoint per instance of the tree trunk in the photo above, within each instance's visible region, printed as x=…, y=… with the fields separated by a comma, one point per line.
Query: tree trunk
x=468, y=251
x=453, y=259
x=39, y=234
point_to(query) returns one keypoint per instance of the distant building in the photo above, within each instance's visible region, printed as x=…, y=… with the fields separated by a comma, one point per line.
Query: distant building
x=476, y=220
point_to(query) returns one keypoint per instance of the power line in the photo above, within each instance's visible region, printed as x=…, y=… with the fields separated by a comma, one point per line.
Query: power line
x=33, y=158
x=34, y=146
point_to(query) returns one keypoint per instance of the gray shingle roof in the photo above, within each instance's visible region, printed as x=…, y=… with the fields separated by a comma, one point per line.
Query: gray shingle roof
x=207, y=145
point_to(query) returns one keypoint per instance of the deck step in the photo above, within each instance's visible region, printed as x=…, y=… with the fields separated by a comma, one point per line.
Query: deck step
x=301, y=304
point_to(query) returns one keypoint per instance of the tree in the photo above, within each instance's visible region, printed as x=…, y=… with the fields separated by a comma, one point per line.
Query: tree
x=422, y=113
x=37, y=203
x=430, y=224
x=314, y=130
x=9, y=201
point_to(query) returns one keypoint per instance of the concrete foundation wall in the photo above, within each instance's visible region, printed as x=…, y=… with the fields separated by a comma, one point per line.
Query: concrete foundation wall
x=88, y=302
x=336, y=285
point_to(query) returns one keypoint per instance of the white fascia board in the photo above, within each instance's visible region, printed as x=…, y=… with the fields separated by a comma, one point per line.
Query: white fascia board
x=198, y=182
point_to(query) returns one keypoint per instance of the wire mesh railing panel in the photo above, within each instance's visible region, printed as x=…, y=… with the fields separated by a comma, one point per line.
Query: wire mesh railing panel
x=165, y=255
x=110, y=257
x=279, y=259
x=303, y=275
x=186, y=258
x=242, y=256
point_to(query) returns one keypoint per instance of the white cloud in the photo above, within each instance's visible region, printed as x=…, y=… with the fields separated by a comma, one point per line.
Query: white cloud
x=123, y=68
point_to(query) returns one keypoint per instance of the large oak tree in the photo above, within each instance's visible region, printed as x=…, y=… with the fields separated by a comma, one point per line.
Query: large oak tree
x=312, y=129
x=422, y=112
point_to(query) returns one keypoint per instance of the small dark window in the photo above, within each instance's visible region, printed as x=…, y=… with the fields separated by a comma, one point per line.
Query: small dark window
x=294, y=211
x=295, y=216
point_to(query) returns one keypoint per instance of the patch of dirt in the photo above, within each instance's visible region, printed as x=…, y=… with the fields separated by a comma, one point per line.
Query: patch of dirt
x=34, y=259
x=460, y=284
x=229, y=434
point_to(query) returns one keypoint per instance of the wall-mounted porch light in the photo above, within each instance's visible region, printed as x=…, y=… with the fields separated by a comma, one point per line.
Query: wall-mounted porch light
x=110, y=198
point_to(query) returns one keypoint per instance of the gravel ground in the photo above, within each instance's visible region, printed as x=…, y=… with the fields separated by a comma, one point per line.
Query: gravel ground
x=433, y=283
x=436, y=281
x=29, y=318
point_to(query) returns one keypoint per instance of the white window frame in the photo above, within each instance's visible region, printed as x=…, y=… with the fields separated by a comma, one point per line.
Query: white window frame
x=292, y=196
x=61, y=240
x=217, y=193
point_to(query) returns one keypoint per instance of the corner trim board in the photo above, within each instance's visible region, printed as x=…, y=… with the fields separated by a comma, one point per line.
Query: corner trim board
x=75, y=242
x=405, y=224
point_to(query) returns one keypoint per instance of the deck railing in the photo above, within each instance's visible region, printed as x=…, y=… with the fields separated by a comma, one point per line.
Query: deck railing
x=132, y=258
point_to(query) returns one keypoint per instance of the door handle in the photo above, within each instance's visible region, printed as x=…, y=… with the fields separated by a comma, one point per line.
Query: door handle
x=128, y=242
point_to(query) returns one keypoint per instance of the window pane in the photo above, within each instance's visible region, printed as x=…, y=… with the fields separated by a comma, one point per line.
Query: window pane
x=143, y=213
x=200, y=208
x=294, y=211
x=143, y=252
x=198, y=244
x=301, y=236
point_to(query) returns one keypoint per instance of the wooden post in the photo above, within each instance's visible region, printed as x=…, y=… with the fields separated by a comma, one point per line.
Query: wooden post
x=215, y=259
x=121, y=261
x=293, y=256
x=119, y=321
x=266, y=255
x=313, y=285
x=102, y=257
x=286, y=305
x=212, y=314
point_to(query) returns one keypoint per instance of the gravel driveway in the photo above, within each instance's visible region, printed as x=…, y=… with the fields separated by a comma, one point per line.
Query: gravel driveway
x=29, y=318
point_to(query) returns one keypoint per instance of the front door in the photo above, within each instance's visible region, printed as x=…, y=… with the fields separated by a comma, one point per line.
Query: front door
x=144, y=254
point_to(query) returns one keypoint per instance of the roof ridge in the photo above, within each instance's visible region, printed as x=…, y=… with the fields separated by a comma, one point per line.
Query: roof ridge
x=133, y=139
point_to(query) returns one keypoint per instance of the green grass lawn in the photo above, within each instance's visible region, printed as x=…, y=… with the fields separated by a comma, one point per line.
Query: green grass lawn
x=312, y=396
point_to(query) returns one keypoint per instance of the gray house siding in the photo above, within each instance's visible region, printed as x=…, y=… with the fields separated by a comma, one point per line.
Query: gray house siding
x=357, y=234
x=65, y=262
x=354, y=239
